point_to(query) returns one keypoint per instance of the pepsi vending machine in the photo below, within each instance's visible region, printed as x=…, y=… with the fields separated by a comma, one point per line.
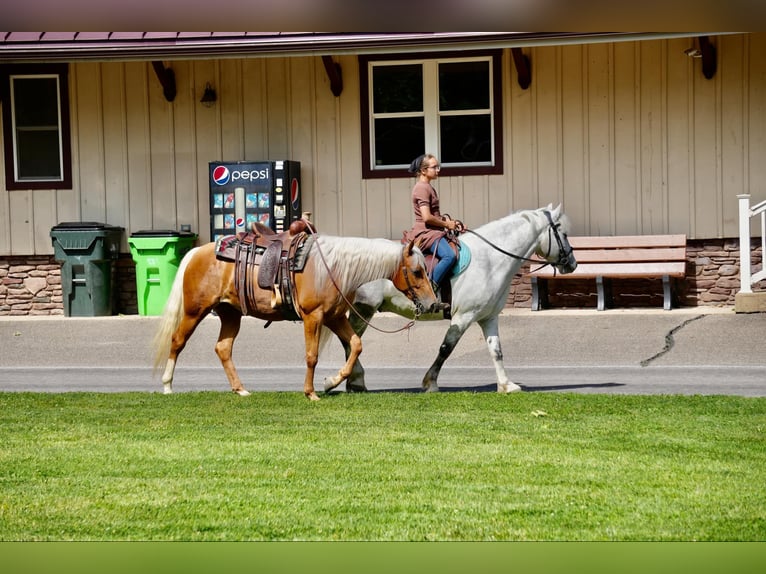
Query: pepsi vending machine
x=246, y=191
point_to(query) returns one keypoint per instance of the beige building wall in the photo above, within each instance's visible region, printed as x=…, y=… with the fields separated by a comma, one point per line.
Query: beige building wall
x=630, y=137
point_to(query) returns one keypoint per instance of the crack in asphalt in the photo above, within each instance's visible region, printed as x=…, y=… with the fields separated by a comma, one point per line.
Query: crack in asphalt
x=669, y=340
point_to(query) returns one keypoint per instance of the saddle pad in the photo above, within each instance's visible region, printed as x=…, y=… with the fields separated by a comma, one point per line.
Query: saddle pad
x=226, y=248
x=463, y=260
x=298, y=262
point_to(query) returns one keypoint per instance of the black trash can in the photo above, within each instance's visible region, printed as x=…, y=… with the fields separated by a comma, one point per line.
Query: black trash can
x=87, y=251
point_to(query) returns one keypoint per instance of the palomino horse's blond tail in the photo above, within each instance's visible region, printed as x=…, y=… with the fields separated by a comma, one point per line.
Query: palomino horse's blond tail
x=172, y=315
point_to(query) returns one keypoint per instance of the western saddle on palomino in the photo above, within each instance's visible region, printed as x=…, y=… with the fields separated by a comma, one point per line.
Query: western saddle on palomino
x=268, y=259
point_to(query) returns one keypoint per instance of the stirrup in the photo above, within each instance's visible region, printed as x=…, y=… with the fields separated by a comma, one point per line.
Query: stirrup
x=276, y=297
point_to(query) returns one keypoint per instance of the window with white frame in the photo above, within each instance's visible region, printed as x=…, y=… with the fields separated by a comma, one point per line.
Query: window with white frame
x=36, y=127
x=448, y=105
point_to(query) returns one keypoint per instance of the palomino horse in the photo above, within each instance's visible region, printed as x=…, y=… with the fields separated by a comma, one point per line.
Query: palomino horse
x=335, y=268
x=479, y=293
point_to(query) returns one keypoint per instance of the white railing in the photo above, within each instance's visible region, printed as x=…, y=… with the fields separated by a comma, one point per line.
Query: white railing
x=746, y=278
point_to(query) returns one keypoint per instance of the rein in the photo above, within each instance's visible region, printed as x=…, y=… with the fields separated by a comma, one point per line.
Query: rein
x=343, y=296
x=552, y=230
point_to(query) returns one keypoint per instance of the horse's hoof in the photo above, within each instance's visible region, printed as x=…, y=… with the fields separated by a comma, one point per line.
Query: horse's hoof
x=329, y=384
x=355, y=388
x=431, y=388
x=508, y=388
x=167, y=389
x=243, y=392
x=312, y=397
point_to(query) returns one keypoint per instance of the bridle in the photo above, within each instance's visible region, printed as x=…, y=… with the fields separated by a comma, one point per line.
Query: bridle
x=564, y=253
x=410, y=291
x=553, y=231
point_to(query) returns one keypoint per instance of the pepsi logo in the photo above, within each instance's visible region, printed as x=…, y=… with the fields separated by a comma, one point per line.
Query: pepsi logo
x=221, y=175
x=240, y=222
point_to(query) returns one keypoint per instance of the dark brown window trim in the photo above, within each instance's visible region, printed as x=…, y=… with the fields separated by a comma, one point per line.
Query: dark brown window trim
x=62, y=70
x=497, y=96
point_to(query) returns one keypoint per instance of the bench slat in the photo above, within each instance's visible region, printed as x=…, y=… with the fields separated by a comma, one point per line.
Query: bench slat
x=641, y=269
x=628, y=241
x=630, y=255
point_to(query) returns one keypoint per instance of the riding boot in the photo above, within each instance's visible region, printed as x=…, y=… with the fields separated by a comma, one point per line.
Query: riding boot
x=439, y=306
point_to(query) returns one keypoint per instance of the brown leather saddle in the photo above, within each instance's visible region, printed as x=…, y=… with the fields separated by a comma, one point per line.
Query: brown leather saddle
x=269, y=260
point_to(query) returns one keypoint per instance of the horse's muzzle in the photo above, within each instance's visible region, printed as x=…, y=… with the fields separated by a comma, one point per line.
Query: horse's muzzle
x=568, y=265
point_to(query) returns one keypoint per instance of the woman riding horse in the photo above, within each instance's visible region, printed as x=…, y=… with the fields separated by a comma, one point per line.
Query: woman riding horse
x=432, y=232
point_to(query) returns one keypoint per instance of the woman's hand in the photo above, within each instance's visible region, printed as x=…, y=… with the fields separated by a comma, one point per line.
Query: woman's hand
x=453, y=224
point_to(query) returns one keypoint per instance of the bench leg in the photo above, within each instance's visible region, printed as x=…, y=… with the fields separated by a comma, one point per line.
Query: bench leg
x=539, y=294
x=600, y=292
x=666, y=293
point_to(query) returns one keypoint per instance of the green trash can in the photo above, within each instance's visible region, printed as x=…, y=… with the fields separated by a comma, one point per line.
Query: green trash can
x=86, y=251
x=157, y=254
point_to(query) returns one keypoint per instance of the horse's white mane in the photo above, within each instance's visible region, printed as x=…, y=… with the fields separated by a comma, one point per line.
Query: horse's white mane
x=354, y=261
x=530, y=215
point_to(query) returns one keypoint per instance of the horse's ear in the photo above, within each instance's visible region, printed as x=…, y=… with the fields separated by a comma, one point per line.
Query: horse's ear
x=410, y=246
x=556, y=213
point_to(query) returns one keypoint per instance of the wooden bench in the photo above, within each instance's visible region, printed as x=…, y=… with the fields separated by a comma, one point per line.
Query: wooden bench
x=618, y=257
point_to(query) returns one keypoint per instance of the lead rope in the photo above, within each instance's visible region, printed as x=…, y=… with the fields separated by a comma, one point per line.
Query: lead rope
x=343, y=296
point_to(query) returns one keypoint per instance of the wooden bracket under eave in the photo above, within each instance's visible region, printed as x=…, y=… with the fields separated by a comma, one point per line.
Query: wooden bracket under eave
x=334, y=74
x=167, y=78
x=523, y=69
x=707, y=50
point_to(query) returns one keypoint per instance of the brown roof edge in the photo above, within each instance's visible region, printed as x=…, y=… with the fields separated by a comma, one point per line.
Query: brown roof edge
x=58, y=46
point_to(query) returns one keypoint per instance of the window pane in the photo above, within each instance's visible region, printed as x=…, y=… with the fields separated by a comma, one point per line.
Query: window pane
x=398, y=140
x=38, y=155
x=397, y=89
x=36, y=101
x=464, y=86
x=35, y=127
x=450, y=103
x=466, y=139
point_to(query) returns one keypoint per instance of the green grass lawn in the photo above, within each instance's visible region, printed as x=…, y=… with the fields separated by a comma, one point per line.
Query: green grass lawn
x=381, y=466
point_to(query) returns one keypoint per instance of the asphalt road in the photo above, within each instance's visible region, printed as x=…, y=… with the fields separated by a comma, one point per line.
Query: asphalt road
x=683, y=351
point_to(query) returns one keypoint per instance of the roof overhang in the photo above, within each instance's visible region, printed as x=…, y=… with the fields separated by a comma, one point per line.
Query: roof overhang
x=29, y=47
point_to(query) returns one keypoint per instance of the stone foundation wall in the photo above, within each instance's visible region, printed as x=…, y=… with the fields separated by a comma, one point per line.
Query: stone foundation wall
x=32, y=285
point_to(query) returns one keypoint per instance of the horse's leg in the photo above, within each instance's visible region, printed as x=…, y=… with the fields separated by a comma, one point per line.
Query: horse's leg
x=312, y=329
x=231, y=319
x=451, y=338
x=489, y=328
x=355, y=381
x=180, y=337
x=353, y=343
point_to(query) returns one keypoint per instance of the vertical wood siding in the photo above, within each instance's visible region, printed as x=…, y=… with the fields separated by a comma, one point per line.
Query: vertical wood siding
x=630, y=137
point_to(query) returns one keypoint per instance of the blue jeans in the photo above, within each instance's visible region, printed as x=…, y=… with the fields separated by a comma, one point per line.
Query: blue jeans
x=447, y=258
